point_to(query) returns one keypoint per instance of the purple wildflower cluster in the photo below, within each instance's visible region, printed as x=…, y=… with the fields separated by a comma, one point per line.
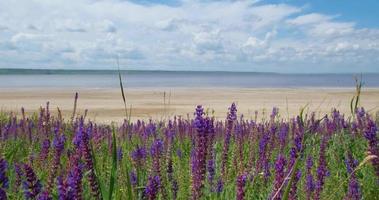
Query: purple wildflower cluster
x=182, y=158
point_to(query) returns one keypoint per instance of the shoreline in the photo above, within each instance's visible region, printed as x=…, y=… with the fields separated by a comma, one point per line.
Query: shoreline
x=106, y=105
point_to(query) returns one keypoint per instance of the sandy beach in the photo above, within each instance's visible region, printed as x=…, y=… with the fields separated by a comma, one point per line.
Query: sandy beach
x=105, y=105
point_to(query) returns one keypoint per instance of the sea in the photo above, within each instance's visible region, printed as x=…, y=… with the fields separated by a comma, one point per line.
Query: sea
x=32, y=78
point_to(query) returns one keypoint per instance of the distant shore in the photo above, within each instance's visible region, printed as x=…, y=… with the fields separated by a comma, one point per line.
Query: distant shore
x=105, y=105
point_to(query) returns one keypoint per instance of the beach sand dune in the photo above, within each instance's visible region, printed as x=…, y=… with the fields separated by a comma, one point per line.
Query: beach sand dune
x=105, y=105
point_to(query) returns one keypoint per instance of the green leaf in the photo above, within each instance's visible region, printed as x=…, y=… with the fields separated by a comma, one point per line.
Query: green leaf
x=114, y=166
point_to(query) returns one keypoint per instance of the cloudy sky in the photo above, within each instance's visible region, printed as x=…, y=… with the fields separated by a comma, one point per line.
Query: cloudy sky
x=272, y=35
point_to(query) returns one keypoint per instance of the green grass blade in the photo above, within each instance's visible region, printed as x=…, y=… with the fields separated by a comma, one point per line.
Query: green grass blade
x=122, y=89
x=112, y=178
x=293, y=174
x=97, y=172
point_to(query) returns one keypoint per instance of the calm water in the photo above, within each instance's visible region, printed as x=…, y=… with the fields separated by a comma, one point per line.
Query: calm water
x=109, y=79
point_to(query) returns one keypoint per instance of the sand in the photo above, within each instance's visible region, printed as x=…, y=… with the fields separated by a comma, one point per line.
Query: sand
x=105, y=105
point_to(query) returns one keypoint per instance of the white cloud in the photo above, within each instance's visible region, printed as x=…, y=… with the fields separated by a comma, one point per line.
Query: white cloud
x=189, y=35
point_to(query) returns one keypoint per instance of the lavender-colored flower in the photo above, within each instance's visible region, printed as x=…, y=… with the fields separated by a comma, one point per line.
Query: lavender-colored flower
x=219, y=186
x=3, y=195
x=373, y=148
x=89, y=163
x=241, y=182
x=19, y=175
x=280, y=165
x=156, y=151
x=120, y=154
x=175, y=188
x=293, y=190
x=133, y=178
x=322, y=170
x=152, y=187
x=263, y=162
x=179, y=153
x=310, y=185
x=211, y=171
x=61, y=188
x=353, y=192
x=58, y=144
x=4, y=182
x=156, y=147
x=232, y=116
x=74, y=182
x=139, y=155
x=283, y=136
x=32, y=186
x=45, y=150
x=199, y=158
x=44, y=196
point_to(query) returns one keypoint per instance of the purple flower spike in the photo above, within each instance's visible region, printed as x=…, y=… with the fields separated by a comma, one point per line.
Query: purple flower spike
x=280, y=165
x=310, y=185
x=354, y=191
x=204, y=127
x=152, y=187
x=232, y=116
x=220, y=186
x=370, y=134
x=45, y=150
x=32, y=186
x=139, y=156
x=4, y=182
x=62, y=188
x=44, y=196
x=133, y=178
x=322, y=170
x=120, y=154
x=241, y=182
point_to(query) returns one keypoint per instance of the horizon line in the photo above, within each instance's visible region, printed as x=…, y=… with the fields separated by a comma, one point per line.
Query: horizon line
x=64, y=71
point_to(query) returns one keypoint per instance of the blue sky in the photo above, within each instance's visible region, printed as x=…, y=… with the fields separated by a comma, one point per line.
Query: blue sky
x=267, y=36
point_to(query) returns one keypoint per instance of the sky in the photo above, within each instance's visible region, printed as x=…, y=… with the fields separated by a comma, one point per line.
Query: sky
x=286, y=36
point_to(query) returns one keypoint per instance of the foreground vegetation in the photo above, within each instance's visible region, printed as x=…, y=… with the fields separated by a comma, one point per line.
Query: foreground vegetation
x=306, y=157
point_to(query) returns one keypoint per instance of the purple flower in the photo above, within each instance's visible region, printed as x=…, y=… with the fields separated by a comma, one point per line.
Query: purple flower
x=19, y=175
x=283, y=136
x=45, y=150
x=61, y=188
x=152, y=187
x=175, y=188
x=310, y=185
x=211, y=171
x=133, y=178
x=58, y=144
x=156, y=147
x=204, y=127
x=44, y=196
x=219, y=186
x=373, y=148
x=293, y=190
x=87, y=153
x=353, y=192
x=32, y=186
x=120, y=155
x=74, y=181
x=322, y=170
x=232, y=116
x=179, y=153
x=280, y=165
x=139, y=155
x=4, y=182
x=3, y=195
x=241, y=182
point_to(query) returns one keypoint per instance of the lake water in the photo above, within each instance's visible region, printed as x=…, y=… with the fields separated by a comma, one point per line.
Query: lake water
x=109, y=79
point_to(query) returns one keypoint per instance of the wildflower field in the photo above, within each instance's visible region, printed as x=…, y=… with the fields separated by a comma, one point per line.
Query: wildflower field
x=305, y=157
